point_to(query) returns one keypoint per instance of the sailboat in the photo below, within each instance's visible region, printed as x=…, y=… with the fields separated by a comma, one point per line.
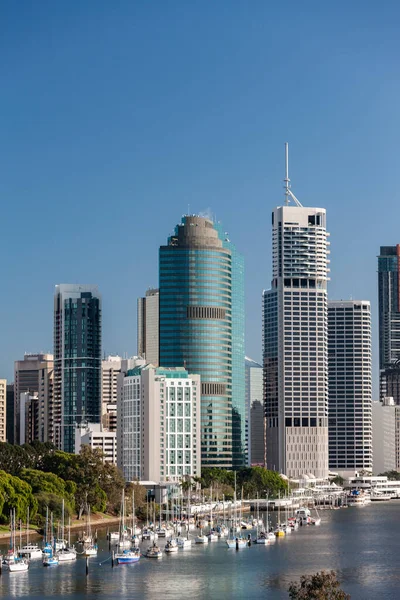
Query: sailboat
x=12, y=560
x=29, y=550
x=212, y=535
x=186, y=542
x=68, y=553
x=89, y=547
x=262, y=536
x=235, y=542
x=316, y=520
x=124, y=541
x=49, y=558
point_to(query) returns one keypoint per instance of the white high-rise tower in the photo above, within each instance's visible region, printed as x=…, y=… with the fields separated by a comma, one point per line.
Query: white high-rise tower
x=295, y=350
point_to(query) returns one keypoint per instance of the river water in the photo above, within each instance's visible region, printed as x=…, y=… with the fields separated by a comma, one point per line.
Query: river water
x=360, y=543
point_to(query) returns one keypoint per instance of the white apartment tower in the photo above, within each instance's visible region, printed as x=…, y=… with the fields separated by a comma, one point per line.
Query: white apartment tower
x=159, y=424
x=350, y=386
x=295, y=353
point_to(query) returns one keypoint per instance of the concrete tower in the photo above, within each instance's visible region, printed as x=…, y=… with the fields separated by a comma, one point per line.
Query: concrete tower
x=295, y=319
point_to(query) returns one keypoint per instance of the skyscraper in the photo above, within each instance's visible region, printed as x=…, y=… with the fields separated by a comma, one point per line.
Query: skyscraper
x=77, y=359
x=202, y=328
x=147, y=326
x=389, y=321
x=350, y=386
x=295, y=319
x=255, y=413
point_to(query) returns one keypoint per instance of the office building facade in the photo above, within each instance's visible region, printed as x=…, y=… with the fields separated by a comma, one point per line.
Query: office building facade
x=147, y=326
x=77, y=360
x=201, y=286
x=159, y=424
x=386, y=436
x=389, y=319
x=255, y=413
x=34, y=374
x=295, y=357
x=10, y=414
x=350, y=386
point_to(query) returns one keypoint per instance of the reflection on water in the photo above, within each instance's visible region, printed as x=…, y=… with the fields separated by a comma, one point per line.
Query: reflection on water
x=360, y=544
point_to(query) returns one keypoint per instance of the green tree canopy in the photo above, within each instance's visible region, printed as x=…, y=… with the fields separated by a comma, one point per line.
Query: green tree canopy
x=321, y=586
x=15, y=493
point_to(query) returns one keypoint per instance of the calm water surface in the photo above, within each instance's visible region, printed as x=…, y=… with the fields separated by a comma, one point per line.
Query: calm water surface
x=361, y=544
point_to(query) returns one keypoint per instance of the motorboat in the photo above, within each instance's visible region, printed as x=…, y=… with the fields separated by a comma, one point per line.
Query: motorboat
x=30, y=551
x=171, y=546
x=153, y=552
x=358, y=498
x=127, y=556
x=316, y=521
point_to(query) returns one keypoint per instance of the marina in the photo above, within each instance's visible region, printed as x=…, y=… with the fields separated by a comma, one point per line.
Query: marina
x=349, y=541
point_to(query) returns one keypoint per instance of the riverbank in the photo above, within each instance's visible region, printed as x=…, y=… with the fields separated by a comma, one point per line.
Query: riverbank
x=96, y=520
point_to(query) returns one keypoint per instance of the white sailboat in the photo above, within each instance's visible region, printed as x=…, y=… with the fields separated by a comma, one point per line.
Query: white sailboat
x=90, y=547
x=235, y=542
x=30, y=551
x=68, y=553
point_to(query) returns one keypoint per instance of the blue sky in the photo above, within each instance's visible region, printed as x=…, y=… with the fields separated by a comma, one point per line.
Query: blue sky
x=115, y=116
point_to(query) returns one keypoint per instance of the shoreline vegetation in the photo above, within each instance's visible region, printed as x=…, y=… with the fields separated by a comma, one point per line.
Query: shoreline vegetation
x=41, y=478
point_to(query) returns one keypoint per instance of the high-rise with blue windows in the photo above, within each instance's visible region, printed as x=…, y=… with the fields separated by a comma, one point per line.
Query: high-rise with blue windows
x=201, y=282
x=77, y=360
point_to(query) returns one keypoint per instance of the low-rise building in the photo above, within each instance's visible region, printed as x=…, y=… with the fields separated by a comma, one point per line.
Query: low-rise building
x=96, y=437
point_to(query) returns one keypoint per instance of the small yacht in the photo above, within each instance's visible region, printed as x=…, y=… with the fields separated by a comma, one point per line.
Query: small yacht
x=128, y=556
x=171, y=546
x=279, y=532
x=153, y=552
x=90, y=550
x=184, y=543
x=236, y=543
x=30, y=551
x=201, y=539
x=50, y=560
x=262, y=538
x=212, y=536
x=66, y=555
x=18, y=565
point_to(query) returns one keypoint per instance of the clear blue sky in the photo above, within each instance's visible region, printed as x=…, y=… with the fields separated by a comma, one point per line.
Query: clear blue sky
x=117, y=115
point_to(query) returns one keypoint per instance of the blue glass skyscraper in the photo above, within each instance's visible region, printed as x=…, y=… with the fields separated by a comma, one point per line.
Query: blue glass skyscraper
x=201, y=281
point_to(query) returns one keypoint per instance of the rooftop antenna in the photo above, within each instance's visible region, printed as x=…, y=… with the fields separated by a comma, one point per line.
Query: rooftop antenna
x=288, y=192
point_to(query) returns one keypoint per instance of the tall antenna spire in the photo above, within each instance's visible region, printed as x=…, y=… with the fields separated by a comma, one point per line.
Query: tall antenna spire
x=287, y=180
x=288, y=192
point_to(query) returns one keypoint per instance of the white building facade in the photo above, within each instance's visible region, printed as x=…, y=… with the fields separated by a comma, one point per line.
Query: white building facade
x=96, y=437
x=111, y=368
x=386, y=436
x=159, y=424
x=350, y=386
x=295, y=357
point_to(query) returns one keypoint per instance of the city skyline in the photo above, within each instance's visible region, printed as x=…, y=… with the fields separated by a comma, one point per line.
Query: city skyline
x=125, y=129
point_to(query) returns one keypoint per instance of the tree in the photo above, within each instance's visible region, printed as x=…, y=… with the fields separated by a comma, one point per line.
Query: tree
x=321, y=586
x=15, y=493
x=338, y=480
x=391, y=475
